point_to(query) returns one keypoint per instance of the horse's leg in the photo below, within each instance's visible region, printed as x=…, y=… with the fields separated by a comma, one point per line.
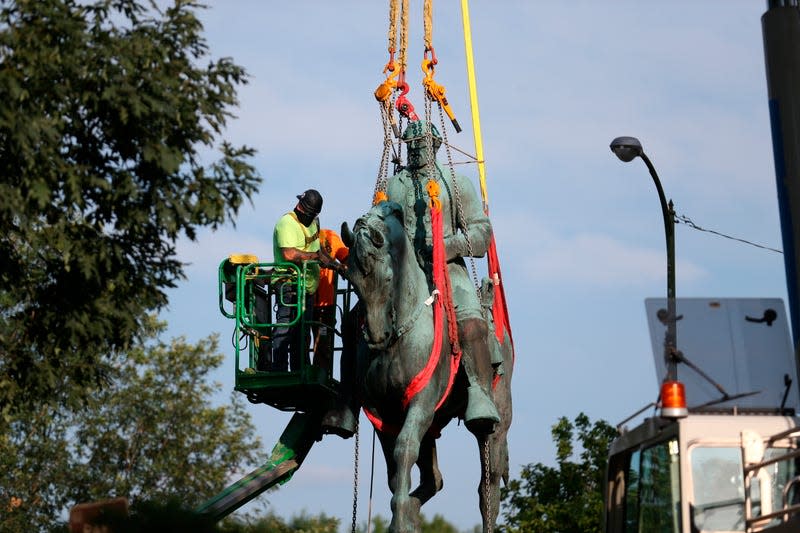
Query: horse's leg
x=405, y=509
x=387, y=445
x=430, y=478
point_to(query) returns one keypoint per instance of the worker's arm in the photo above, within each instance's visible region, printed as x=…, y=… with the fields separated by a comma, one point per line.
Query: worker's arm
x=293, y=255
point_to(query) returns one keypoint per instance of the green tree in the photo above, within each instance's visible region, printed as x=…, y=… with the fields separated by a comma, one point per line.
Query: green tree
x=438, y=524
x=153, y=434
x=271, y=523
x=171, y=516
x=568, y=497
x=108, y=109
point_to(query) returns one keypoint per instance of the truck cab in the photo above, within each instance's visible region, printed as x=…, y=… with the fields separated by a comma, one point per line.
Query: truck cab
x=731, y=463
x=710, y=471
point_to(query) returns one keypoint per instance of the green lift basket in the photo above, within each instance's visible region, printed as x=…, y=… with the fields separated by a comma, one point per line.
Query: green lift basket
x=247, y=294
x=248, y=291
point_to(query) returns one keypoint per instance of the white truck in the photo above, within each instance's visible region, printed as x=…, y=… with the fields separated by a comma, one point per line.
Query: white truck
x=732, y=463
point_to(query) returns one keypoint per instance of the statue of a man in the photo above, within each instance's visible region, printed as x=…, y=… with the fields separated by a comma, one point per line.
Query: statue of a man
x=467, y=232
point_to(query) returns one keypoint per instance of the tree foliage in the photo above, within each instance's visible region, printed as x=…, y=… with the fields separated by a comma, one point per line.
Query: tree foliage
x=107, y=110
x=437, y=524
x=152, y=435
x=271, y=523
x=568, y=497
x=173, y=517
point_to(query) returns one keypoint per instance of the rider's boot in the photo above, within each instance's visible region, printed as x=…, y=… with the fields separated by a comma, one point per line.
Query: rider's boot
x=342, y=418
x=481, y=415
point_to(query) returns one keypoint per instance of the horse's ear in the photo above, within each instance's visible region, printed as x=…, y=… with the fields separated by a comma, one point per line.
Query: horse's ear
x=395, y=210
x=347, y=235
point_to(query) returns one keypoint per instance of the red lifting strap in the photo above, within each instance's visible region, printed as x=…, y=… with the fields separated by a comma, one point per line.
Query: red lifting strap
x=499, y=307
x=441, y=279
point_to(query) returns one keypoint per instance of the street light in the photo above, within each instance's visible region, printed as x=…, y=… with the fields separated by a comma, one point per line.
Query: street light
x=627, y=149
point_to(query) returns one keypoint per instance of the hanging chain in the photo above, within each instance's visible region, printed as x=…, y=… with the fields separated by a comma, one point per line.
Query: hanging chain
x=430, y=156
x=371, y=482
x=355, y=482
x=383, y=169
x=487, y=486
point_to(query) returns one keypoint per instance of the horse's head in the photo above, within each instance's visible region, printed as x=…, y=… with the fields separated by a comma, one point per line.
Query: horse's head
x=378, y=250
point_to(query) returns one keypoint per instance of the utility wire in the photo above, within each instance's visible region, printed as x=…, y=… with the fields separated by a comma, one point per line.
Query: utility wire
x=680, y=219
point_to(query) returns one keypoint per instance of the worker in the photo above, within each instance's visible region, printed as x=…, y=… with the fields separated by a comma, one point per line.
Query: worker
x=467, y=232
x=296, y=240
x=325, y=299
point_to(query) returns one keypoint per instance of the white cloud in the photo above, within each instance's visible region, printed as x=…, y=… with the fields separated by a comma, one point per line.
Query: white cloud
x=600, y=260
x=212, y=247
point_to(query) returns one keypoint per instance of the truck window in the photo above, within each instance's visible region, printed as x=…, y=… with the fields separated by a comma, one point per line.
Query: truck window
x=660, y=488
x=718, y=499
x=632, y=493
x=718, y=495
x=779, y=474
x=648, y=500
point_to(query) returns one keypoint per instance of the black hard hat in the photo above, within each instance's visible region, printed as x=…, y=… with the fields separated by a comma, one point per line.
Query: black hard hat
x=310, y=202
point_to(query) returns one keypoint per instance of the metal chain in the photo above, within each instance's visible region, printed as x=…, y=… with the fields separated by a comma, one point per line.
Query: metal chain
x=430, y=156
x=355, y=482
x=487, y=493
x=460, y=221
x=383, y=169
x=402, y=123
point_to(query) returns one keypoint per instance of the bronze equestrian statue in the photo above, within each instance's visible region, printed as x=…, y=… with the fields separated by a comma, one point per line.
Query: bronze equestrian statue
x=397, y=305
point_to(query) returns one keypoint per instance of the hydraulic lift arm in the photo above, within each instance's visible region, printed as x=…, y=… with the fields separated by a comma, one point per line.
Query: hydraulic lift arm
x=288, y=454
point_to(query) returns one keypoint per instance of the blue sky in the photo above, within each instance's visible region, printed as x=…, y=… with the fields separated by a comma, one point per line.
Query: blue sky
x=579, y=233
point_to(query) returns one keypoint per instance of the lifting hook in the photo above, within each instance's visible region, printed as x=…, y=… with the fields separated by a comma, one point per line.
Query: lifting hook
x=404, y=105
x=435, y=90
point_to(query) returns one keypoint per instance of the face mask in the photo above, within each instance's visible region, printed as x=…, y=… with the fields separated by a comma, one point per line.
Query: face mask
x=304, y=219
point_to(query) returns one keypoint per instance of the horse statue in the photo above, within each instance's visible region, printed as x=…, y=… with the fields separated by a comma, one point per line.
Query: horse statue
x=397, y=309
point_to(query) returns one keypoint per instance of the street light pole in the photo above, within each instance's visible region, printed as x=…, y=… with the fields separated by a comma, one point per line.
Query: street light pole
x=627, y=149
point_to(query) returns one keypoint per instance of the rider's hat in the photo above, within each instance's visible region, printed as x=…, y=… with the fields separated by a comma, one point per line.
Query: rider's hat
x=415, y=134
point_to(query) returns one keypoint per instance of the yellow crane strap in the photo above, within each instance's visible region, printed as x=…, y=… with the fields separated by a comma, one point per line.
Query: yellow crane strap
x=403, y=39
x=394, y=10
x=427, y=13
x=473, y=100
